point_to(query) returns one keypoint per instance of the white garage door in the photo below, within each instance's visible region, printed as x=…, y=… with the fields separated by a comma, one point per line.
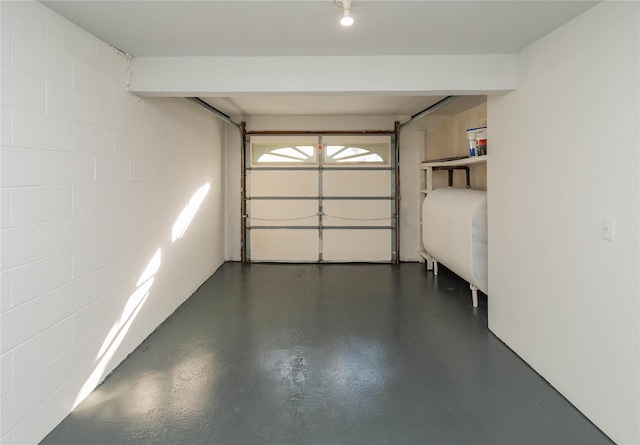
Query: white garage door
x=320, y=198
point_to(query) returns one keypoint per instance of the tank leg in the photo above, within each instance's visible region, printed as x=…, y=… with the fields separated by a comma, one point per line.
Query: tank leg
x=474, y=295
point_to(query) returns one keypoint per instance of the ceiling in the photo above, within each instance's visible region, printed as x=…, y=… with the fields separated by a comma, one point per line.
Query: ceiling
x=311, y=28
x=336, y=105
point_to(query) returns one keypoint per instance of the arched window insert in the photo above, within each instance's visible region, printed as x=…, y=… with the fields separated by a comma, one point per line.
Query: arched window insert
x=357, y=154
x=283, y=154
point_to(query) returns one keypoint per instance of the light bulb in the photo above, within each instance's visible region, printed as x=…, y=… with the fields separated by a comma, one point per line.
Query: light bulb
x=346, y=20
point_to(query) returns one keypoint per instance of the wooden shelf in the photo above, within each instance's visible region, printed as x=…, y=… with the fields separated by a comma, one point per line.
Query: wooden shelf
x=456, y=162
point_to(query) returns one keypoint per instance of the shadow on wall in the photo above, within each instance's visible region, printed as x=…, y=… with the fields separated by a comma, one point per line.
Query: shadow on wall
x=137, y=299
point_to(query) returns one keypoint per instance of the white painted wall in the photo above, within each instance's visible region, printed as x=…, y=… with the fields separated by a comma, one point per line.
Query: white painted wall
x=563, y=155
x=93, y=180
x=320, y=123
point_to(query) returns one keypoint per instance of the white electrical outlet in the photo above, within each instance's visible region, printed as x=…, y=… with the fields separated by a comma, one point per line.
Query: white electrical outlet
x=609, y=228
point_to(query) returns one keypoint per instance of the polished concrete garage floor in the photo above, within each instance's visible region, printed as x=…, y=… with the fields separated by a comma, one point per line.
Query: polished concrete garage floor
x=326, y=354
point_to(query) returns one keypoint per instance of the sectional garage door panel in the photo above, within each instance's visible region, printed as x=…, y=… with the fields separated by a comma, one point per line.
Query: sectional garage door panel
x=275, y=213
x=283, y=183
x=357, y=213
x=284, y=245
x=357, y=245
x=364, y=183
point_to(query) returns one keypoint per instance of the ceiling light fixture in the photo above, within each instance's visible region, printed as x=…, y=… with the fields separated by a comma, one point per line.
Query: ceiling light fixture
x=346, y=19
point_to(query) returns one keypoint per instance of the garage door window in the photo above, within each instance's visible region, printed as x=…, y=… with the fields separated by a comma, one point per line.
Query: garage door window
x=357, y=154
x=283, y=154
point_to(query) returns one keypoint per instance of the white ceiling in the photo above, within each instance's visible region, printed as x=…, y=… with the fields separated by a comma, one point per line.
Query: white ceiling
x=336, y=105
x=311, y=28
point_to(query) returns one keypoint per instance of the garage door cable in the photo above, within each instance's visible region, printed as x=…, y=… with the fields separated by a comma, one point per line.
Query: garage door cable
x=318, y=214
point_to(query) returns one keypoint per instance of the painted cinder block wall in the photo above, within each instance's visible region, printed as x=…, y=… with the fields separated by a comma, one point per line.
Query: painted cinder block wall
x=93, y=181
x=564, y=154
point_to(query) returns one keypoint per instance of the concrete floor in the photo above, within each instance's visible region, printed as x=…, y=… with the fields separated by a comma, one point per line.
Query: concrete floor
x=326, y=354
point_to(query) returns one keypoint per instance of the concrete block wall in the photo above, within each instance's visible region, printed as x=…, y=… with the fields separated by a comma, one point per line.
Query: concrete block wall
x=93, y=182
